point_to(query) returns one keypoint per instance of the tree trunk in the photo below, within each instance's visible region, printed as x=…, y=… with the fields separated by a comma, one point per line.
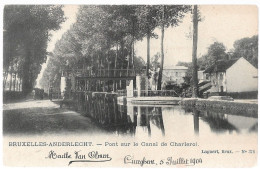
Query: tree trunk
x=159, y=85
x=108, y=64
x=194, y=53
x=115, y=67
x=11, y=81
x=123, y=59
x=116, y=56
x=122, y=51
x=19, y=87
x=133, y=42
x=15, y=82
x=5, y=79
x=26, y=86
x=148, y=53
x=133, y=62
x=128, y=58
x=133, y=45
x=19, y=84
x=133, y=55
x=99, y=64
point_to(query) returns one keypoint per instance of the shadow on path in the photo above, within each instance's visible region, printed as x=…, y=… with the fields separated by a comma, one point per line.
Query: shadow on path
x=45, y=117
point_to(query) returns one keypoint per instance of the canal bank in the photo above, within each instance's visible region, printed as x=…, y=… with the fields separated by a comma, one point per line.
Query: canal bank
x=234, y=107
x=152, y=100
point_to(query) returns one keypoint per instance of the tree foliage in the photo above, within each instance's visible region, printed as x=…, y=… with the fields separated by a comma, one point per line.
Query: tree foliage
x=247, y=48
x=216, y=51
x=26, y=34
x=103, y=37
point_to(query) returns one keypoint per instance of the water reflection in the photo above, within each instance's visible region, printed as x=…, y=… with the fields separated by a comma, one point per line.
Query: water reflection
x=174, y=121
x=221, y=121
x=138, y=120
x=196, y=121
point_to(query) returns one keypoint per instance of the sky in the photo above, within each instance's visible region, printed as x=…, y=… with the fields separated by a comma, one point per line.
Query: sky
x=222, y=23
x=70, y=12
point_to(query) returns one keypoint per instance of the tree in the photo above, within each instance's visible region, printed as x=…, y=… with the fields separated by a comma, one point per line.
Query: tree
x=146, y=18
x=247, y=48
x=216, y=51
x=27, y=33
x=195, y=90
x=168, y=15
x=102, y=37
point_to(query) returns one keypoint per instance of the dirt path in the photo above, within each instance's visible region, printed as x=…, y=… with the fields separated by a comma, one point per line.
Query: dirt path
x=44, y=117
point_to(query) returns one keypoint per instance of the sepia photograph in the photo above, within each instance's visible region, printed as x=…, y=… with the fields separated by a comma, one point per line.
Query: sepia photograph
x=130, y=85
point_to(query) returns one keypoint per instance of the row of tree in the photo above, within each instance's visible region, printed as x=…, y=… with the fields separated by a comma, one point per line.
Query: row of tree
x=104, y=37
x=26, y=34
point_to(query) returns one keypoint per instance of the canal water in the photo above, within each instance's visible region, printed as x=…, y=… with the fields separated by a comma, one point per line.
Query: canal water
x=188, y=132
x=167, y=122
x=147, y=121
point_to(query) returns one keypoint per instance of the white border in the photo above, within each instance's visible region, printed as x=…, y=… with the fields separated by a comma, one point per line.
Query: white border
x=118, y=2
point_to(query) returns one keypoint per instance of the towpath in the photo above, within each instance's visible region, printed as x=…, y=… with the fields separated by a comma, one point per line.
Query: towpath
x=44, y=117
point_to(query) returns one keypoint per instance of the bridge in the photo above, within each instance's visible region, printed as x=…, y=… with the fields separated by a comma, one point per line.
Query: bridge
x=101, y=74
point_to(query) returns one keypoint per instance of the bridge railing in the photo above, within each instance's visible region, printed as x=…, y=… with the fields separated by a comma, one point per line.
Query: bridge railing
x=148, y=93
x=99, y=73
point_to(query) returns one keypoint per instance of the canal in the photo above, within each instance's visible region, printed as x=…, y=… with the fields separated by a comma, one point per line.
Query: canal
x=166, y=122
x=147, y=121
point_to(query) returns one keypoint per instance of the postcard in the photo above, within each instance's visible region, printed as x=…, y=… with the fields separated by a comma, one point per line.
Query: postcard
x=124, y=85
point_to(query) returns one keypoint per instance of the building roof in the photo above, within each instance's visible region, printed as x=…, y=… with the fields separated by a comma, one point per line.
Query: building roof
x=175, y=67
x=220, y=66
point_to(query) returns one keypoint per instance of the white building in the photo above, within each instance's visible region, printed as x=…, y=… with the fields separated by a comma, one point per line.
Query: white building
x=201, y=77
x=236, y=75
x=174, y=74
